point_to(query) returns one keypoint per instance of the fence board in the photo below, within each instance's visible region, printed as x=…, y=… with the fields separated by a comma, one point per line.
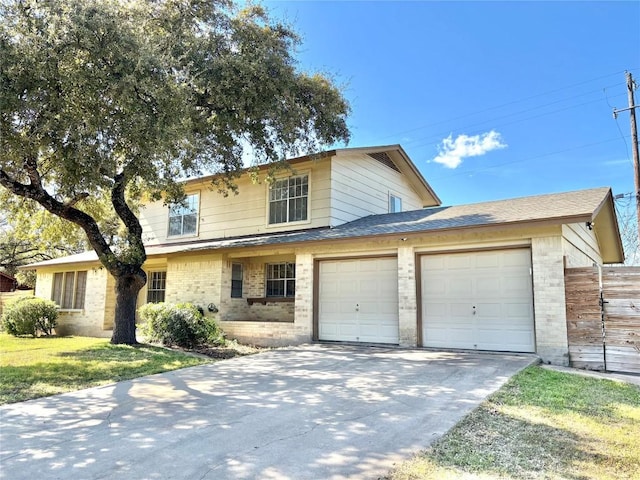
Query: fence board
x=621, y=292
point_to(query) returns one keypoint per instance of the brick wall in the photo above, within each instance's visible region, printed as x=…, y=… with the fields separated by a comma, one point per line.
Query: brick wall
x=194, y=279
x=407, y=301
x=268, y=324
x=549, y=300
x=90, y=321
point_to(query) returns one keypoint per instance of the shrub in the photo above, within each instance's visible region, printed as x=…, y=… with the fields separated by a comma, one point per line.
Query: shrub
x=181, y=324
x=30, y=316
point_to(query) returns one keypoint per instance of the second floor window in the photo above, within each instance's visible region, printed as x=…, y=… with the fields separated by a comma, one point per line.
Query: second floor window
x=69, y=290
x=183, y=217
x=395, y=204
x=288, y=199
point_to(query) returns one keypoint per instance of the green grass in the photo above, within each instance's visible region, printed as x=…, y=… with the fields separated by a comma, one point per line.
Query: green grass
x=541, y=425
x=38, y=367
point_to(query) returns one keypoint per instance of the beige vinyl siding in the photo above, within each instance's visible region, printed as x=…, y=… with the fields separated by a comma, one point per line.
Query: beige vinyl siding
x=580, y=245
x=245, y=213
x=361, y=187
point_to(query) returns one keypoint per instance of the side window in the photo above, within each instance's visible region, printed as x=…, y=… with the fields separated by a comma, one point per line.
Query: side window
x=288, y=200
x=69, y=289
x=183, y=217
x=156, y=287
x=236, y=280
x=395, y=204
x=281, y=280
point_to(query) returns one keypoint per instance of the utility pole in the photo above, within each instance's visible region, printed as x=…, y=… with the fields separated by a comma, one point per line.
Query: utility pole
x=634, y=142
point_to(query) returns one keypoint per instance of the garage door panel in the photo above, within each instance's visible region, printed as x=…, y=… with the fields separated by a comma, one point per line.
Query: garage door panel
x=434, y=286
x=461, y=261
x=367, y=299
x=447, y=337
x=517, y=286
x=515, y=258
x=517, y=311
x=459, y=286
x=519, y=339
x=330, y=307
x=489, y=310
x=489, y=261
x=497, y=282
x=459, y=309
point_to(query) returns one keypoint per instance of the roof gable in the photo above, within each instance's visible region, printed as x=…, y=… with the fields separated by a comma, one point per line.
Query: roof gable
x=392, y=156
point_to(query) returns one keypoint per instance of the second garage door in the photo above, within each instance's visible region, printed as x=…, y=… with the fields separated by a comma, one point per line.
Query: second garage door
x=478, y=300
x=358, y=300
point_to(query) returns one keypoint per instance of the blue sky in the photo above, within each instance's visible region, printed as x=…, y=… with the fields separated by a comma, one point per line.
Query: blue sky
x=529, y=87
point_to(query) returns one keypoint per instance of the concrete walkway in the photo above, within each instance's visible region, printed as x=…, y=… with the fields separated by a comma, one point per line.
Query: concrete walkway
x=310, y=412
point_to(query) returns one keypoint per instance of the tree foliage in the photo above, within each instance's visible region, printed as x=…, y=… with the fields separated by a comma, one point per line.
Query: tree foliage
x=29, y=233
x=109, y=99
x=179, y=324
x=30, y=316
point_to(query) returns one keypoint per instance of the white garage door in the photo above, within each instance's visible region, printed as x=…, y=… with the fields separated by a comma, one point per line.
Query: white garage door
x=478, y=300
x=358, y=300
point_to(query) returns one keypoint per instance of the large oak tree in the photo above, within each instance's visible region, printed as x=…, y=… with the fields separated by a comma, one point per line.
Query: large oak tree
x=109, y=98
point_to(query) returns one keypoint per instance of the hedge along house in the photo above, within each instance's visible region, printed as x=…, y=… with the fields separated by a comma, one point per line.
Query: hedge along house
x=353, y=246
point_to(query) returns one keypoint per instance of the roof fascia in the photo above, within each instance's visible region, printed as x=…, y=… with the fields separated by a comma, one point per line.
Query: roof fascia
x=607, y=230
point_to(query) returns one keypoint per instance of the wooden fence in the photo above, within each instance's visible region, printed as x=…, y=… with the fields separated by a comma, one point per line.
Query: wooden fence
x=7, y=297
x=603, y=325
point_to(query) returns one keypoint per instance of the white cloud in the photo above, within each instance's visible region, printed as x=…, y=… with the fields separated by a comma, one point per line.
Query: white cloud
x=453, y=151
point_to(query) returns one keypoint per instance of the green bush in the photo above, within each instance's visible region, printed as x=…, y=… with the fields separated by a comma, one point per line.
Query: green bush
x=182, y=324
x=30, y=316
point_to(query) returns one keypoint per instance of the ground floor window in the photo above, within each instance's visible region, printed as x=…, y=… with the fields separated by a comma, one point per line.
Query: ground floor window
x=69, y=289
x=157, y=287
x=281, y=279
x=236, y=280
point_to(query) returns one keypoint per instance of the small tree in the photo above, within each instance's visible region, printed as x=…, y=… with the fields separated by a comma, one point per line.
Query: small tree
x=30, y=316
x=106, y=99
x=182, y=324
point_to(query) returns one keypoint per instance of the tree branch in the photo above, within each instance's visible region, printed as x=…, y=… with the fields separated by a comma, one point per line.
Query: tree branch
x=130, y=220
x=35, y=191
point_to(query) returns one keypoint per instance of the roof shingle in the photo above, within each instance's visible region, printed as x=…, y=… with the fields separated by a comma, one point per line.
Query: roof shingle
x=568, y=207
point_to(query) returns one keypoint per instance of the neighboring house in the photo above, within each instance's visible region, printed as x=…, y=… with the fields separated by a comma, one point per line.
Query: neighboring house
x=341, y=249
x=7, y=283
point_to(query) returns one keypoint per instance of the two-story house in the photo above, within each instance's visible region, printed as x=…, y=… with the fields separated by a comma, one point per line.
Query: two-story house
x=352, y=245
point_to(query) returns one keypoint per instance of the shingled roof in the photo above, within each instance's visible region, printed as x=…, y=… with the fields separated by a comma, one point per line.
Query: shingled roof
x=558, y=208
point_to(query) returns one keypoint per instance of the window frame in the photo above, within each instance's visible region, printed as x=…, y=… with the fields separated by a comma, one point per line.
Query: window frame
x=288, y=200
x=185, y=212
x=395, y=201
x=152, y=289
x=288, y=281
x=237, y=291
x=76, y=282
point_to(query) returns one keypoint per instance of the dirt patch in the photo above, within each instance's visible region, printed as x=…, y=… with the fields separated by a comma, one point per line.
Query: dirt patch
x=227, y=351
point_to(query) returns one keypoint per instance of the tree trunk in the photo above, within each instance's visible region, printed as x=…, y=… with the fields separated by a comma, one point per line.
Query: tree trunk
x=128, y=286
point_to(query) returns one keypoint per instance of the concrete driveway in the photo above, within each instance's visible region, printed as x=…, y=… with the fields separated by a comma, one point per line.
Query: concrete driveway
x=310, y=412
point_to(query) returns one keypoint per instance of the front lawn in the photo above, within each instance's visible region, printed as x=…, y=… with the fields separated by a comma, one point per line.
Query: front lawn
x=541, y=425
x=38, y=367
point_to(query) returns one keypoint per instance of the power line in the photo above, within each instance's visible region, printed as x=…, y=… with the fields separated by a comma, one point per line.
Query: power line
x=624, y=140
x=548, y=154
x=437, y=138
x=496, y=107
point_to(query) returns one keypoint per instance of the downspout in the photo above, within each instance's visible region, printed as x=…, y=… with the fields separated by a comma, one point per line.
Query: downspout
x=601, y=302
